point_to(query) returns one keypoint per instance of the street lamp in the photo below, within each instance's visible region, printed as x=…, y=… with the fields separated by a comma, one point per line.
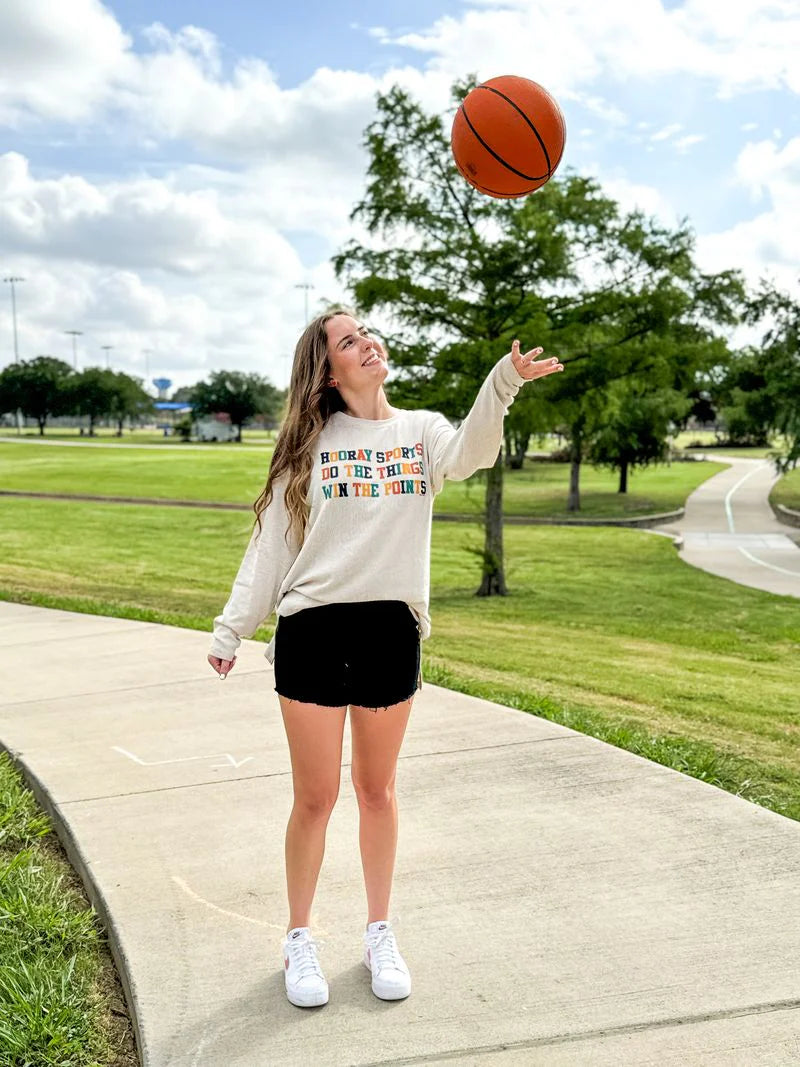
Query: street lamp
x=147, y=354
x=306, y=286
x=107, y=349
x=12, y=280
x=75, y=334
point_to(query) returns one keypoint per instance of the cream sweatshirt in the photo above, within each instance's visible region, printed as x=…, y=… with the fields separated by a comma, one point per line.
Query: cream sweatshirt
x=369, y=531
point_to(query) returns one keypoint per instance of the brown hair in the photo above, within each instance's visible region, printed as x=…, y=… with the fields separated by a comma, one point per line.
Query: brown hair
x=309, y=405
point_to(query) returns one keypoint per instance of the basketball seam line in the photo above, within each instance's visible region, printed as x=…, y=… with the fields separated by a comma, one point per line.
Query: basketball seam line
x=491, y=151
x=516, y=107
x=485, y=188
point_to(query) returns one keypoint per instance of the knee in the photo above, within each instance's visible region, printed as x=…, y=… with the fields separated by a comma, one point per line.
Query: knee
x=315, y=805
x=377, y=798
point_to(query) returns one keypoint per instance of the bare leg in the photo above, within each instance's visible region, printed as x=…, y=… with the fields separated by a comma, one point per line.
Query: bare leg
x=314, y=734
x=376, y=741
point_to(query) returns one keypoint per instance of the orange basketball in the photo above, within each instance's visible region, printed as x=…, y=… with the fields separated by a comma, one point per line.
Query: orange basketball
x=508, y=136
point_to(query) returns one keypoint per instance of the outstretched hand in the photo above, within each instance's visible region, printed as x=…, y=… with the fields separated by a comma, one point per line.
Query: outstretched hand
x=529, y=367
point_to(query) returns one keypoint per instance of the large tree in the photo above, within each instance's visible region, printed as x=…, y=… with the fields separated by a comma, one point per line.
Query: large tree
x=774, y=371
x=38, y=387
x=461, y=275
x=238, y=394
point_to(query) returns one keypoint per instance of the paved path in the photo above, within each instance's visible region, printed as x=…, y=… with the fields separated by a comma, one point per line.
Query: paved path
x=561, y=902
x=729, y=529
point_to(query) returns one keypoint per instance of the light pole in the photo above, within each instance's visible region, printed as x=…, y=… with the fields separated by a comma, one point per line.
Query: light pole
x=147, y=354
x=75, y=334
x=306, y=286
x=12, y=280
x=107, y=349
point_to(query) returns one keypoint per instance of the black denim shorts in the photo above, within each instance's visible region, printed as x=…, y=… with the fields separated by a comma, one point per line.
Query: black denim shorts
x=365, y=653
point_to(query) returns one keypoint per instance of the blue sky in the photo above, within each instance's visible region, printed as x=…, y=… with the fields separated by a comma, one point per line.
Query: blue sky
x=170, y=173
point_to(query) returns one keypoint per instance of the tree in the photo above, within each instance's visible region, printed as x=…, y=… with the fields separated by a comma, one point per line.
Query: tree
x=636, y=428
x=37, y=387
x=128, y=399
x=777, y=369
x=239, y=395
x=462, y=275
x=649, y=316
x=91, y=392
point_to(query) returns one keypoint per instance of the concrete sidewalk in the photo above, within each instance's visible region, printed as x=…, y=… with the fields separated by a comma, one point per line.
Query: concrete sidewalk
x=729, y=529
x=560, y=901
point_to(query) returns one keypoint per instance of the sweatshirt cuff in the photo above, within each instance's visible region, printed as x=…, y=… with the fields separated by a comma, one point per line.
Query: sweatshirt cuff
x=225, y=641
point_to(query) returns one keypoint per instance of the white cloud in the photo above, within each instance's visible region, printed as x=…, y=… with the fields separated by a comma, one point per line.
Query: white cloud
x=684, y=143
x=765, y=245
x=741, y=44
x=141, y=223
x=57, y=60
x=636, y=195
x=195, y=264
x=667, y=131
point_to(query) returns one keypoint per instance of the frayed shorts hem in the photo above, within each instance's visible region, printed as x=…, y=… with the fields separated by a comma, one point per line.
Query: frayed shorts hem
x=351, y=703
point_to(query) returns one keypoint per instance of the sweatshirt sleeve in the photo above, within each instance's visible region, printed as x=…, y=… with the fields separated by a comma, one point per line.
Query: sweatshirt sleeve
x=459, y=453
x=255, y=589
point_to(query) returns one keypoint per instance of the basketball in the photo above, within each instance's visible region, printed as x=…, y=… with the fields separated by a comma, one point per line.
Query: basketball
x=508, y=136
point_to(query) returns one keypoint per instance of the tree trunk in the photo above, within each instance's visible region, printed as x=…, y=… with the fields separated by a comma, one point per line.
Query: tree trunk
x=623, y=477
x=494, y=581
x=239, y=432
x=41, y=426
x=574, y=500
x=516, y=447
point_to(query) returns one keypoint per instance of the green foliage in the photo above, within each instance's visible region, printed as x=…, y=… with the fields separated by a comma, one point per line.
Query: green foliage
x=616, y=296
x=38, y=387
x=637, y=425
x=776, y=370
x=238, y=394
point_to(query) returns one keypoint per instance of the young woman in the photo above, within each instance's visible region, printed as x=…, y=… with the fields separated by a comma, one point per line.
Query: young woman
x=341, y=551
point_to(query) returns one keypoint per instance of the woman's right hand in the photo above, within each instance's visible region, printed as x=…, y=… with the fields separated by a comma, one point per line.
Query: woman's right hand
x=221, y=666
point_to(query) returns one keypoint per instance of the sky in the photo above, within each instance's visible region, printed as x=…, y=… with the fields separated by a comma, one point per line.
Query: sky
x=172, y=174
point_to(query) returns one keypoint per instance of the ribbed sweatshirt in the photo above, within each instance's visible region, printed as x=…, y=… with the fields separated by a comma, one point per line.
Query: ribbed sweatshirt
x=368, y=535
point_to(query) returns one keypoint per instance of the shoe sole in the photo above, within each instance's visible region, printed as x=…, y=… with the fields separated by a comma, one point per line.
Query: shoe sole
x=308, y=1001
x=386, y=994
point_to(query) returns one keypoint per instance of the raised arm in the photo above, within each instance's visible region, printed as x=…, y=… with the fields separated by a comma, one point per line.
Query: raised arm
x=459, y=453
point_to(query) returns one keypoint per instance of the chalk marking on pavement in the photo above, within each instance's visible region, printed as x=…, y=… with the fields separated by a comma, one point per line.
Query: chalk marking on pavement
x=237, y=915
x=729, y=494
x=224, y=911
x=772, y=566
x=232, y=762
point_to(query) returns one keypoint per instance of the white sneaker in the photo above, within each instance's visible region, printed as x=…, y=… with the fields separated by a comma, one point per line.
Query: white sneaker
x=305, y=983
x=391, y=979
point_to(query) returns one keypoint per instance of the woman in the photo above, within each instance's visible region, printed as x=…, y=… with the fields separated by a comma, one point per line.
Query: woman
x=342, y=553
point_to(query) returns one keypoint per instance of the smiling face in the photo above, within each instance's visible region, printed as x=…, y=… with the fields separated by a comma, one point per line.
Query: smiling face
x=357, y=359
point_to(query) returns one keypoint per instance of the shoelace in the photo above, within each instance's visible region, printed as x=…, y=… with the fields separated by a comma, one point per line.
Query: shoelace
x=302, y=955
x=384, y=947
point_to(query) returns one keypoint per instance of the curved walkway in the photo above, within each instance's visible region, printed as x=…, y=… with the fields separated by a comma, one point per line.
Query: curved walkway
x=561, y=901
x=729, y=529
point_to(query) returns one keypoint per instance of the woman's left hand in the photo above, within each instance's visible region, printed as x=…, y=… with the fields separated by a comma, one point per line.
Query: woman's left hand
x=529, y=367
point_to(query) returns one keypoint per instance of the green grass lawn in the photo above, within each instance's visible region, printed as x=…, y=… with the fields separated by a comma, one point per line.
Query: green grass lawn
x=104, y=435
x=606, y=630
x=787, y=490
x=61, y=1001
x=230, y=475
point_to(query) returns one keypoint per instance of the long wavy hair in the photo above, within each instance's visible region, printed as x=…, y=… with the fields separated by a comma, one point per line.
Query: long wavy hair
x=309, y=405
